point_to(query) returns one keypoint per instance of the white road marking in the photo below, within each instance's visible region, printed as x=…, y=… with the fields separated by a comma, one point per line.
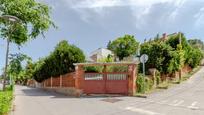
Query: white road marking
x=193, y=105
x=178, y=103
x=142, y=111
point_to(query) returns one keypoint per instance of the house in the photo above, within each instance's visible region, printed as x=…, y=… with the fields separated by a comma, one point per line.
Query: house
x=99, y=54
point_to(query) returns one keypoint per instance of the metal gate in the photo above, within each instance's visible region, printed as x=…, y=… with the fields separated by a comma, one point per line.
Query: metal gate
x=102, y=83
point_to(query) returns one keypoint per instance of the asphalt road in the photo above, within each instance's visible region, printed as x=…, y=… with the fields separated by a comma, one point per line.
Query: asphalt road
x=184, y=99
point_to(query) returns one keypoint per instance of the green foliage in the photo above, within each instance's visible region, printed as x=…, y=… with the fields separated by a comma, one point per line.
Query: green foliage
x=159, y=55
x=34, y=16
x=117, y=68
x=59, y=62
x=140, y=83
x=148, y=84
x=5, y=101
x=109, y=69
x=196, y=43
x=144, y=83
x=177, y=60
x=158, y=78
x=123, y=46
x=93, y=69
x=174, y=40
x=108, y=59
x=171, y=55
x=194, y=58
x=16, y=69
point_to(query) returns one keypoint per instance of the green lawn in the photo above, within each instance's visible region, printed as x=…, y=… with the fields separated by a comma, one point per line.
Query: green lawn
x=5, y=101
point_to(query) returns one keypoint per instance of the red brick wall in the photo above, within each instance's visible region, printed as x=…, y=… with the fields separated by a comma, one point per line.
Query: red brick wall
x=67, y=80
x=186, y=69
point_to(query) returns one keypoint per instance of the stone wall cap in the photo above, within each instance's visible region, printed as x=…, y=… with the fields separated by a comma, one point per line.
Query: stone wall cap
x=101, y=63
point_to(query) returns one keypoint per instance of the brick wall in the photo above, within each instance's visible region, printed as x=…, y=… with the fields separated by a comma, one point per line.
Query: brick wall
x=186, y=69
x=66, y=80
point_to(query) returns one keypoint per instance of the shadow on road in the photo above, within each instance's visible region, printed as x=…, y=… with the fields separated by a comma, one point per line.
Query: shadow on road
x=42, y=92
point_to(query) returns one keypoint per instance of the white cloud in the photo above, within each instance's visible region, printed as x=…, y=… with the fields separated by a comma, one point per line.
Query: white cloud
x=139, y=8
x=199, y=18
x=114, y=3
x=178, y=5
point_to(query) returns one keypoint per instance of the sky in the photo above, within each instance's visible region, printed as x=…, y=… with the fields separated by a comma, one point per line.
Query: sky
x=90, y=24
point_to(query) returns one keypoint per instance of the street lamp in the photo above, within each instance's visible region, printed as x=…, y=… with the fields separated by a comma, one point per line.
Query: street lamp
x=10, y=19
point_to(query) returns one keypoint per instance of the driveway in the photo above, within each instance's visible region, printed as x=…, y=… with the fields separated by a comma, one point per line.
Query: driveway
x=184, y=99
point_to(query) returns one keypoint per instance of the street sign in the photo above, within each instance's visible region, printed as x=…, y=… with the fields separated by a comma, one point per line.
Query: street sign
x=144, y=58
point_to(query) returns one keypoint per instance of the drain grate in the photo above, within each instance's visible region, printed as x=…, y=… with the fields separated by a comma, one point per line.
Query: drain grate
x=111, y=100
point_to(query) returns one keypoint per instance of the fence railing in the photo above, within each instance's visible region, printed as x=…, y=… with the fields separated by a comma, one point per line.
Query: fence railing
x=110, y=76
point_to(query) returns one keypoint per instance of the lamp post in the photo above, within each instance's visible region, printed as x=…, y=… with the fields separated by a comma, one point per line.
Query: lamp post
x=11, y=20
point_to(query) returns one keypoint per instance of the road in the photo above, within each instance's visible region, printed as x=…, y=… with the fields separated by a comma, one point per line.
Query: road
x=184, y=99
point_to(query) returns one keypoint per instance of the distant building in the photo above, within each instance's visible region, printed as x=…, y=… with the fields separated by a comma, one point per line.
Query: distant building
x=100, y=53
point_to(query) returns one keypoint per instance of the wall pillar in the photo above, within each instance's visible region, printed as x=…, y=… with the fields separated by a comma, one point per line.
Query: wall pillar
x=79, y=77
x=132, y=80
x=60, y=81
x=51, y=82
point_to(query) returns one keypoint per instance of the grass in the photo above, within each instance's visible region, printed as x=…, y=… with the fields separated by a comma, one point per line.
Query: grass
x=6, y=101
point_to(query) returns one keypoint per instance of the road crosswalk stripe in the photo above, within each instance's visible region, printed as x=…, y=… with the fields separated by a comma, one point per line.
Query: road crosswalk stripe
x=193, y=105
x=142, y=111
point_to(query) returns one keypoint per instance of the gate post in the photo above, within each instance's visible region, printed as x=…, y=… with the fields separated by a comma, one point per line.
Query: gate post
x=79, y=77
x=132, y=80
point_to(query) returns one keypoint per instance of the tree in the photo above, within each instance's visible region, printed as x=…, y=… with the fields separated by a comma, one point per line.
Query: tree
x=16, y=69
x=60, y=61
x=196, y=43
x=33, y=20
x=159, y=55
x=195, y=57
x=124, y=46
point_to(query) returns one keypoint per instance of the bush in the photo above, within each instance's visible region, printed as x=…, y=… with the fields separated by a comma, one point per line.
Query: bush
x=140, y=83
x=170, y=56
x=194, y=58
x=144, y=83
x=148, y=83
x=5, y=101
x=159, y=55
x=93, y=69
x=117, y=68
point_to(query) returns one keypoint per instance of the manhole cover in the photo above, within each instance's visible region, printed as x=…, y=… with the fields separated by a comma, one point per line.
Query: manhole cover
x=111, y=100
